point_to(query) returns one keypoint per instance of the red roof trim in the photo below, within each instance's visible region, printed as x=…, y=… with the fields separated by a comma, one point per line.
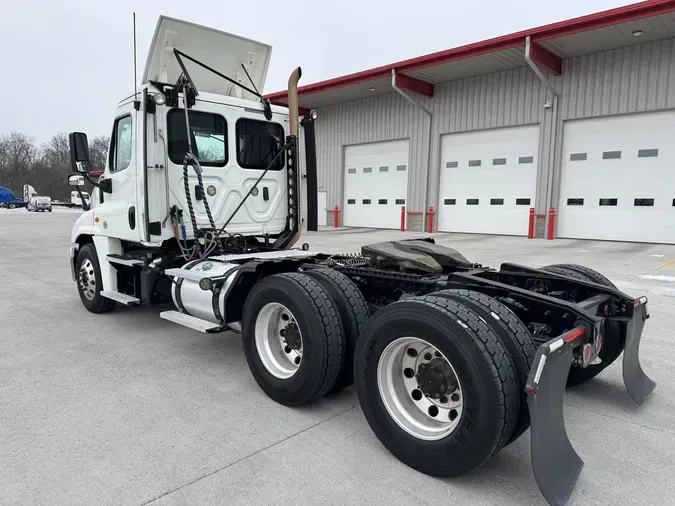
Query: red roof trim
x=560, y=29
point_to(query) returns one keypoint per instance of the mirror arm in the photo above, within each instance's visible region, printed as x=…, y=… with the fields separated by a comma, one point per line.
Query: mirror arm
x=105, y=185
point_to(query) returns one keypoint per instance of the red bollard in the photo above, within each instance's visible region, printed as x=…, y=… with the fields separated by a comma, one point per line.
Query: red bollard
x=551, y=223
x=530, y=224
x=402, y=218
x=336, y=217
x=430, y=219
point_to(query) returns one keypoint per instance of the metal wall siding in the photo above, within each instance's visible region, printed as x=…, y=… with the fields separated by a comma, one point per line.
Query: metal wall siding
x=619, y=81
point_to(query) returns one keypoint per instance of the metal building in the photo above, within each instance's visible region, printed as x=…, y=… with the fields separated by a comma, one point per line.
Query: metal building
x=578, y=116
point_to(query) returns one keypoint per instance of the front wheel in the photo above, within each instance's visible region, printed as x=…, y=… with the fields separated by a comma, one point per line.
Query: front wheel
x=88, y=274
x=293, y=338
x=436, y=385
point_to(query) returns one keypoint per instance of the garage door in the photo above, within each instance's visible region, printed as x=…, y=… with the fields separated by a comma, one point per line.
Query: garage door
x=376, y=184
x=618, y=178
x=488, y=180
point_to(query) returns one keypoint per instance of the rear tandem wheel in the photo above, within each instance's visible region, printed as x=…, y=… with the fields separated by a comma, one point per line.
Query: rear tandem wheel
x=293, y=338
x=614, y=333
x=436, y=385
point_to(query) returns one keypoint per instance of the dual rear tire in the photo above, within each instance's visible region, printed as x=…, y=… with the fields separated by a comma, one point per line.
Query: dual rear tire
x=299, y=331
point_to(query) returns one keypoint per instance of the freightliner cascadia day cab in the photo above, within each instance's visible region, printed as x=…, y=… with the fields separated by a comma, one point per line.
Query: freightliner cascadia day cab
x=197, y=213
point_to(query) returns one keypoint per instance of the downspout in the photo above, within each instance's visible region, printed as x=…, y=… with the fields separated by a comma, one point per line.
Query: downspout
x=554, y=121
x=428, y=113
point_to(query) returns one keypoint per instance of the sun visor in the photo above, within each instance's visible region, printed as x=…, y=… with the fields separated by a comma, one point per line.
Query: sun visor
x=221, y=51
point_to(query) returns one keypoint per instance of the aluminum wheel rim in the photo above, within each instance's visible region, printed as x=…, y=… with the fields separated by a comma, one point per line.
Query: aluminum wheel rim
x=87, y=279
x=423, y=417
x=271, y=325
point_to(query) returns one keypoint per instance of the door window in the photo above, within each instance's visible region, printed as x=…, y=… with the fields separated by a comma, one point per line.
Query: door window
x=258, y=142
x=121, y=152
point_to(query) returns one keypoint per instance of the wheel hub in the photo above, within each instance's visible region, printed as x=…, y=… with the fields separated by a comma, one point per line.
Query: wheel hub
x=292, y=336
x=436, y=379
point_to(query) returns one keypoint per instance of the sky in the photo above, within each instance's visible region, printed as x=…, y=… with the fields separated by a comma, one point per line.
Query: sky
x=67, y=63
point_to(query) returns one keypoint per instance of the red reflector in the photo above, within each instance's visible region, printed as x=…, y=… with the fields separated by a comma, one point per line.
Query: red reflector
x=587, y=353
x=573, y=334
x=636, y=303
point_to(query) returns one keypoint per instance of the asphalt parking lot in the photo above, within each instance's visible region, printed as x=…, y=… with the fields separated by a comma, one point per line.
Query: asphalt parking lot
x=128, y=409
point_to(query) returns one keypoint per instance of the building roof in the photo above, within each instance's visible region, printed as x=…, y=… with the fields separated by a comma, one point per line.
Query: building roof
x=615, y=28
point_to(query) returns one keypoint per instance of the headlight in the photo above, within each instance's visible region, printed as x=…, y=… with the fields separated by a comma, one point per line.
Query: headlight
x=313, y=114
x=159, y=99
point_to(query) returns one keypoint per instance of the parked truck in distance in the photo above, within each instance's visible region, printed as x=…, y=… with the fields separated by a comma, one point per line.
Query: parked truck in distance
x=34, y=201
x=198, y=215
x=76, y=200
x=8, y=200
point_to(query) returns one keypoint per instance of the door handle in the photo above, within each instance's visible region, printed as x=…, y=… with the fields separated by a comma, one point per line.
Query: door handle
x=132, y=217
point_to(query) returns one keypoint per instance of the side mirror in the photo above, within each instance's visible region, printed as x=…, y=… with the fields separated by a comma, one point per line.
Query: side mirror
x=75, y=181
x=79, y=152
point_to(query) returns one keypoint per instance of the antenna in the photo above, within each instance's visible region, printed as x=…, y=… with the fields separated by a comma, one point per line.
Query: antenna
x=135, y=78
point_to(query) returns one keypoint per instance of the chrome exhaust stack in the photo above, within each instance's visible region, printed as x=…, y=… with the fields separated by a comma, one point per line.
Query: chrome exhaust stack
x=293, y=112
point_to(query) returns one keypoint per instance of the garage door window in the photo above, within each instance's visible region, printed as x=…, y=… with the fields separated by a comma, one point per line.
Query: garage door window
x=451, y=165
x=351, y=201
x=401, y=202
x=575, y=202
x=471, y=202
x=648, y=153
x=258, y=142
x=644, y=202
x=401, y=168
x=609, y=202
x=522, y=202
x=474, y=163
x=499, y=161
x=449, y=202
x=578, y=157
x=526, y=159
x=382, y=201
x=611, y=155
x=365, y=201
x=366, y=170
x=496, y=202
x=351, y=171
x=384, y=169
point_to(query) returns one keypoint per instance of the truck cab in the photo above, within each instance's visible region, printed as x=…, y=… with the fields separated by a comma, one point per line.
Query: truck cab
x=197, y=160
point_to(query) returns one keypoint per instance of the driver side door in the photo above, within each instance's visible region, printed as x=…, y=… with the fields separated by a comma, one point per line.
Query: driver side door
x=119, y=214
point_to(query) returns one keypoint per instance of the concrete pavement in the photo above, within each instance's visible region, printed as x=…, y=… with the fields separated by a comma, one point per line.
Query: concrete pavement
x=128, y=409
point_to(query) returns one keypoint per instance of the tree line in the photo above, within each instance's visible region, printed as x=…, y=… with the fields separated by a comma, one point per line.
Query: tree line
x=44, y=166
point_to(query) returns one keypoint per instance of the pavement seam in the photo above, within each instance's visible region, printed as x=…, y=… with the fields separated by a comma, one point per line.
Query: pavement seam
x=272, y=445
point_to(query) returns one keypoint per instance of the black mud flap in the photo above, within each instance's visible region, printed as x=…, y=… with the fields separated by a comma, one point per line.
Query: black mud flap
x=637, y=383
x=555, y=464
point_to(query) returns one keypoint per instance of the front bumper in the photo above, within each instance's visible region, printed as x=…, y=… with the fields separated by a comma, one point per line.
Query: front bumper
x=555, y=463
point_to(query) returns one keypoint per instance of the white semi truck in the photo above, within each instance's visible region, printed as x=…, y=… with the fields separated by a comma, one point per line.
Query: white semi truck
x=34, y=201
x=198, y=210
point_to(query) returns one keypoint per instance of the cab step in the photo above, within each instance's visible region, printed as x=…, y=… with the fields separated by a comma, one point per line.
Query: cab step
x=191, y=322
x=122, y=298
x=119, y=259
x=187, y=274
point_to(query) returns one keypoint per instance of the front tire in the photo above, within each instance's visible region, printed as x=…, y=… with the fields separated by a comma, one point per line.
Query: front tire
x=441, y=416
x=89, y=285
x=293, y=338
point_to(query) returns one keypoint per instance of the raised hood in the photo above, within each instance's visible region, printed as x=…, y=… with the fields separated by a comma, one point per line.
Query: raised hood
x=221, y=51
